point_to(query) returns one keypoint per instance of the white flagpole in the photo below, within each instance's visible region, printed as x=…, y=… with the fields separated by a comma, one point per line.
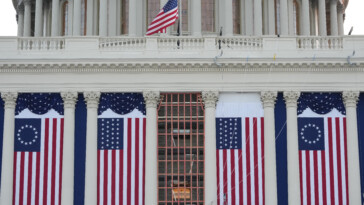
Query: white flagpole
x=180, y=16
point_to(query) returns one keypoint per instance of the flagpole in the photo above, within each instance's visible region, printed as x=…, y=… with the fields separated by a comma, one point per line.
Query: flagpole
x=180, y=16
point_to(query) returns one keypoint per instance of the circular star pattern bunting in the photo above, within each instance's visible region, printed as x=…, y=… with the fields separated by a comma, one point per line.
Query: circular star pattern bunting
x=313, y=128
x=27, y=135
x=321, y=103
x=121, y=103
x=39, y=103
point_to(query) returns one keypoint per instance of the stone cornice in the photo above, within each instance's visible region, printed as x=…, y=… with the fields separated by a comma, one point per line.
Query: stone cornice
x=132, y=67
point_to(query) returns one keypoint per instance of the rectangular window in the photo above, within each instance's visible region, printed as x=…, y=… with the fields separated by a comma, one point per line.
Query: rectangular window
x=181, y=149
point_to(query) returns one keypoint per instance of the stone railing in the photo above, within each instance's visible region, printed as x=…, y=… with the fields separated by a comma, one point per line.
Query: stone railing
x=180, y=43
x=41, y=44
x=320, y=43
x=239, y=43
x=122, y=43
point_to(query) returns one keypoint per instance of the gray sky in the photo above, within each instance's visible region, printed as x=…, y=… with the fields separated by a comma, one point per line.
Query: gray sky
x=354, y=17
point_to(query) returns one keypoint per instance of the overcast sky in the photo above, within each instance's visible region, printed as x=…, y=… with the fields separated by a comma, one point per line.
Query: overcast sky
x=354, y=17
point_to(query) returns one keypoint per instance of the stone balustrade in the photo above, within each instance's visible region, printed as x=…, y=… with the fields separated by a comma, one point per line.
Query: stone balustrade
x=238, y=47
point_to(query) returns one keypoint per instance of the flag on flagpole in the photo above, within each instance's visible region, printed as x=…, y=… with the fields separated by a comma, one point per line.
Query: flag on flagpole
x=165, y=18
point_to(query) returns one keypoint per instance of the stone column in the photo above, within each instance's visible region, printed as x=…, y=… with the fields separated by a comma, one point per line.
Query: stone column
x=249, y=17
x=20, y=20
x=6, y=189
x=69, y=101
x=92, y=101
x=269, y=99
x=133, y=17
x=333, y=17
x=294, y=197
x=112, y=18
x=89, y=18
x=322, y=18
x=103, y=18
x=55, y=17
x=77, y=4
x=258, y=18
x=210, y=98
x=284, y=17
x=151, y=99
x=305, y=17
x=340, y=20
x=350, y=100
x=291, y=23
x=70, y=18
x=196, y=17
x=27, y=17
x=38, y=18
x=272, y=18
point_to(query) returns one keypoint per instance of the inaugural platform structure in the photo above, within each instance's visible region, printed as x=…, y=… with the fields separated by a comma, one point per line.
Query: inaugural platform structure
x=252, y=102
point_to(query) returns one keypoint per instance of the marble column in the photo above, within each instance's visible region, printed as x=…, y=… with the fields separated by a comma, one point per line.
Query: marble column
x=196, y=17
x=6, y=189
x=333, y=18
x=272, y=18
x=27, y=17
x=322, y=17
x=291, y=23
x=340, y=20
x=249, y=17
x=55, y=17
x=92, y=101
x=258, y=18
x=270, y=176
x=151, y=99
x=103, y=18
x=20, y=12
x=350, y=100
x=70, y=18
x=38, y=31
x=210, y=98
x=112, y=18
x=305, y=10
x=284, y=17
x=69, y=101
x=77, y=4
x=89, y=17
x=291, y=98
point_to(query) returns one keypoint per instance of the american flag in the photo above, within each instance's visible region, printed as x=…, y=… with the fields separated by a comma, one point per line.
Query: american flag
x=121, y=160
x=240, y=164
x=38, y=160
x=166, y=17
x=323, y=159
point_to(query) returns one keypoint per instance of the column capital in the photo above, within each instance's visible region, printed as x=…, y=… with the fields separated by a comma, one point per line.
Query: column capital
x=210, y=98
x=268, y=98
x=27, y=2
x=20, y=8
x=92, y=99
x=9, y=99
x=291, y=98
x=151, y=98
x=69, y=99
x=350, y=98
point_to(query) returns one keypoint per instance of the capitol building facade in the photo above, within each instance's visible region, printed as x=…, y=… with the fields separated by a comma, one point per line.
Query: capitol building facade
x=239, y=102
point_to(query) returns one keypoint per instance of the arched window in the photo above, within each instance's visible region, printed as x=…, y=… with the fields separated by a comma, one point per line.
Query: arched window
x=65, y=17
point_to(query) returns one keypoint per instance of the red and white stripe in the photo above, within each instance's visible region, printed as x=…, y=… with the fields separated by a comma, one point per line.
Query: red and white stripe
x=162, y=21
x=121, y=173
x=240, y=173
x=324, y=173
x=37, y=175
